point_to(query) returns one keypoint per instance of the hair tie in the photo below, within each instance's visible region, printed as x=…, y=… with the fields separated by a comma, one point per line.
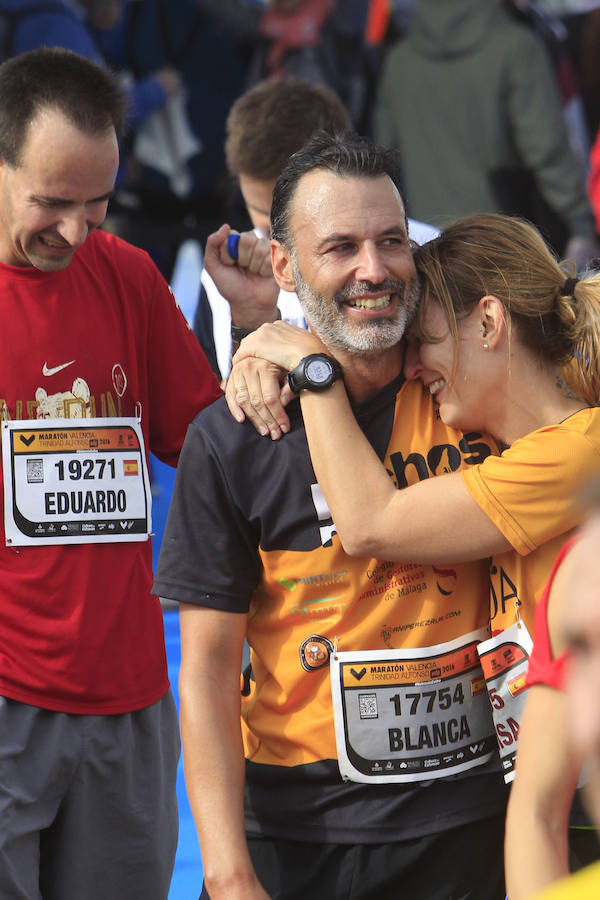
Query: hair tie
x=568, y=287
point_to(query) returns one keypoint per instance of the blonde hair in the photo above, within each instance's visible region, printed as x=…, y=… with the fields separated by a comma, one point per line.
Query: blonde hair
x=551, y=313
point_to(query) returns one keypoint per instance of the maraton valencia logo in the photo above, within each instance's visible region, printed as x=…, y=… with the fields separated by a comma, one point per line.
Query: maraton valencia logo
x=315, y=652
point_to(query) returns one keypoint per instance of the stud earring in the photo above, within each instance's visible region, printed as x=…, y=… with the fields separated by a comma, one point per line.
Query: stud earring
x=485, y=346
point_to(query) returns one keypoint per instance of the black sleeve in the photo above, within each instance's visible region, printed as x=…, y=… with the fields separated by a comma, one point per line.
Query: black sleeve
x=209, y=554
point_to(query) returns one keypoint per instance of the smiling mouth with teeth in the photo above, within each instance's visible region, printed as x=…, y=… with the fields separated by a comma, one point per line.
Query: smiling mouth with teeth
x=370, y=302
x=436, y=386
x=54, y=245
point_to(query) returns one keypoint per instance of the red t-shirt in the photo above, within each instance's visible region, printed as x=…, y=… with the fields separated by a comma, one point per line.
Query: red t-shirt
x=79, y=629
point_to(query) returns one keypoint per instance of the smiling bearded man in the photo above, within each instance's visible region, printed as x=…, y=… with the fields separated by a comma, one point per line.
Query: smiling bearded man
x=250, y=551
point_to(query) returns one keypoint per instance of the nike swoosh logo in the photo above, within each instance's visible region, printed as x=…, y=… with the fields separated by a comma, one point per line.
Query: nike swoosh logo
x=55, y=369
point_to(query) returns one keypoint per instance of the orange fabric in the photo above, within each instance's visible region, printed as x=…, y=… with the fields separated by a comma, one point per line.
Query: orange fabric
x=529, y=494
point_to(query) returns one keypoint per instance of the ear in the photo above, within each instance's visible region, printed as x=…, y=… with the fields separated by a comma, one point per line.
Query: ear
x=282, y=266
x=491, y=317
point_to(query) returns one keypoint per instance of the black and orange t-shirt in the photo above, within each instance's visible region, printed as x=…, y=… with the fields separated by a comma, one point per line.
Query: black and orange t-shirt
x=249, y=530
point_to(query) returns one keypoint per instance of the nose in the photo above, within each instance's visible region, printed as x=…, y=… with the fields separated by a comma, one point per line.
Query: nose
x=413, y=367
x=370, y=264
x=74, y=228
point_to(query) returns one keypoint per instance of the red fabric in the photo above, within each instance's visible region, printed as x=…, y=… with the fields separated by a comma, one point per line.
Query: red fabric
x=298, y=28
x=567, y=83
x=593, y=184
x=543, y=668
x=378, y=19
x=80, y=631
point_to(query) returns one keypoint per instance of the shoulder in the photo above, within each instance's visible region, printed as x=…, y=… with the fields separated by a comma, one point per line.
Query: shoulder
x=565, y=438
x=106, y=256
x=232, y=464
x=103, y=244
x=233, y=441
x=49, y=22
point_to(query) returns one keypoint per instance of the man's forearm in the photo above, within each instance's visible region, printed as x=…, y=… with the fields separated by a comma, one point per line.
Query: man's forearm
x=214, y=772
x=209, y=689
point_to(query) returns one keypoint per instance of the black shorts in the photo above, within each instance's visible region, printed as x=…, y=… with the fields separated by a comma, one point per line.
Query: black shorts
x=463, y=863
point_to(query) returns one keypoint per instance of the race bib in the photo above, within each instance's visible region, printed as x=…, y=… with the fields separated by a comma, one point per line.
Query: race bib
x=504, y=659
x=75, y=481
x=411, y=715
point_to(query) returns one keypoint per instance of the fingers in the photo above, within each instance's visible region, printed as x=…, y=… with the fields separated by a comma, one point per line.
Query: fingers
x=253, y=392
x=230, y=396
x=215, y=250
x=245, y=249
x=254, y=254
x=287, y=394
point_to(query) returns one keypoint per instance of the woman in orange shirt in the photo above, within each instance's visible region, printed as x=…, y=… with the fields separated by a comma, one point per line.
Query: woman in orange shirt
x=508, y=341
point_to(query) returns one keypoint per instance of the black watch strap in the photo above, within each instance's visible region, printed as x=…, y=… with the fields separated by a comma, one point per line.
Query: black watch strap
x=238, y=333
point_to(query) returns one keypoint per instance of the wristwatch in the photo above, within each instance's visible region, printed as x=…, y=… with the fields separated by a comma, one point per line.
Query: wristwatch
x=315, y=372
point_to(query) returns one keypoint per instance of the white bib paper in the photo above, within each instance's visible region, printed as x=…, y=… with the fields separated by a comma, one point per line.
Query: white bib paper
x=75, y=481
x=411, y=715
x=505, y=659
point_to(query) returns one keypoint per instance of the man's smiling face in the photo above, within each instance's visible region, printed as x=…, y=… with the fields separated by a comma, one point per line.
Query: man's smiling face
x=351, y=260
x=57, y=194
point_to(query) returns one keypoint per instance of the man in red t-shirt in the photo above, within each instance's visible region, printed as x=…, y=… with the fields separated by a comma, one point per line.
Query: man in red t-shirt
x=97, y=368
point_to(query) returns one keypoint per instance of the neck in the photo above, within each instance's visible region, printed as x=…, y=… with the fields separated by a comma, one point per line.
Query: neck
x=535, y=396
x=367, y=373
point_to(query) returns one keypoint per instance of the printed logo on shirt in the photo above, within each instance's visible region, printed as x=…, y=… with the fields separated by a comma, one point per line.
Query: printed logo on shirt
x=315, y=652
x=389, y=631
x=74, y=402
x=119, y=379
x=445, y=580
x=503, y=592
x=441, y=458
x=52, y=370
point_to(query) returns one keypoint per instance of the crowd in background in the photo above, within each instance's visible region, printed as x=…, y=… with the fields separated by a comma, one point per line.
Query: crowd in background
x=409, y=72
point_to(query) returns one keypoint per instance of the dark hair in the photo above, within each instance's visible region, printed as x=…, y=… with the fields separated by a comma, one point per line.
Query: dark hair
x=54, y=78
x=552, y=314
x=274, y=119
x=345, y=154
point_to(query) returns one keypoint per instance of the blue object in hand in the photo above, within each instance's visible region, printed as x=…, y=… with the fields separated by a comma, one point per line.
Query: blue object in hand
x=232, y=245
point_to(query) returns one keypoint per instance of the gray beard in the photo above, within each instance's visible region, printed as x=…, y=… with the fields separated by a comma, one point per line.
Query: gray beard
x=327, y=318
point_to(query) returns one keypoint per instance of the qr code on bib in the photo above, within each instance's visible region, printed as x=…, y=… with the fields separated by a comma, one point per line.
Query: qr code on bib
x=35, y=471
x=367, y=706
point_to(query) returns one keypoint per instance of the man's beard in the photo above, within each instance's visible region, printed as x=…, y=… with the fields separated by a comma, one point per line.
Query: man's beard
x=327, y=318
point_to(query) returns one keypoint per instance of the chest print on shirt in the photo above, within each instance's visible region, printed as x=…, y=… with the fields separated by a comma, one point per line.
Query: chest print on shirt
x=73, y=404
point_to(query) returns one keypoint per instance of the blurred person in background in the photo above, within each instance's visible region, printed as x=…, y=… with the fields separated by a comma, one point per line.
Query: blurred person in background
x=578, y=578
x=178, y=186
x=479, y=123
x=77, y=25
x=264, y=127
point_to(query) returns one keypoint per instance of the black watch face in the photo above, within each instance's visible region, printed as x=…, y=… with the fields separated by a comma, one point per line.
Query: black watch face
x=318, y=370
